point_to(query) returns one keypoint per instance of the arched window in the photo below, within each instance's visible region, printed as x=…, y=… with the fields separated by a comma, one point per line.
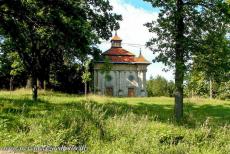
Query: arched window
x=131, y=77
x=108, y=77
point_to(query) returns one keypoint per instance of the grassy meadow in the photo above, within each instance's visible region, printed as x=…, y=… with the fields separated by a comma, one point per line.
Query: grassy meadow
x=114, y=125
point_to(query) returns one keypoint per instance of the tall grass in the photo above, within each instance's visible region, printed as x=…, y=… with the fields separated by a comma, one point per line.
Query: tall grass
x=113, y=125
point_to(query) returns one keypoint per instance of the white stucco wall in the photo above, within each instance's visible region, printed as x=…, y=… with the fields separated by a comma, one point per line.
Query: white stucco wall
x=120, y=79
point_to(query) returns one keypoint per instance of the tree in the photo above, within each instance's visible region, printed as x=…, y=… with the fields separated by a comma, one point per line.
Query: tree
x=179, y=28
x=196, y=84
x=86, y=75
x=11, y=66
x=106, y=68
x=46, y=31
x=159, y=86
x=211, y=65
x=170, y=88
x=214, y=62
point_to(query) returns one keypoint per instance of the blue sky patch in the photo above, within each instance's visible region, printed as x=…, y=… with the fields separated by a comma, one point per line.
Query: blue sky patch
x=141, y=4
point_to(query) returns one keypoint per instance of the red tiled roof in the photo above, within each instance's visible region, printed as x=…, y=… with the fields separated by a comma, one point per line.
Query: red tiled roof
x=118, y=51
x=121, y=59
x=120, y=55
x=141, y=59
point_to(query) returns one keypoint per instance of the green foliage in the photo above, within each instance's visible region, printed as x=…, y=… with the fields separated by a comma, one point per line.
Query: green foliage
x=106, y=68
x=160, y=87
x=180, y=31
x=223, y=91
x=11, y=66
x=17, y=65
x=86, y=74
x=197, y=84
x=214, y=58
x=45, y=33
x=200, y=19
x=68, y=27
x=212, y=65
x=113, y=125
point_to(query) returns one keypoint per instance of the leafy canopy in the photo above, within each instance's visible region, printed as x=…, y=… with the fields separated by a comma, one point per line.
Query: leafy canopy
x=199, y=18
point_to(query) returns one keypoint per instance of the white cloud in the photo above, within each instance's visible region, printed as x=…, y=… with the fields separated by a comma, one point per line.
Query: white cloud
x=133, y=31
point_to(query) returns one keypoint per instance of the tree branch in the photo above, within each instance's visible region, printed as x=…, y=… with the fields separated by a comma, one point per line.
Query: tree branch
x=199, y=4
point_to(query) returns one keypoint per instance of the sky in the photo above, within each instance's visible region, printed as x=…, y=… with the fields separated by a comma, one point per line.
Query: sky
x=135, y=14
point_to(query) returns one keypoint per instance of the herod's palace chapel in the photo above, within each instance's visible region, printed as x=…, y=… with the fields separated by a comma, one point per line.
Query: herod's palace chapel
x=127, y=76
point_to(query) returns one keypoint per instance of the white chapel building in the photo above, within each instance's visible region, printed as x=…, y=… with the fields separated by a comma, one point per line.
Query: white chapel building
x=127, y=76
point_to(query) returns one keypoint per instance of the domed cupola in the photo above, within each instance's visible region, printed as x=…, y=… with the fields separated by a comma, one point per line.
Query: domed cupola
x=116, y=41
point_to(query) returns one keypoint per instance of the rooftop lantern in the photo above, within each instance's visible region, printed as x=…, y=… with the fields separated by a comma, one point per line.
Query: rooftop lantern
x=116, y=41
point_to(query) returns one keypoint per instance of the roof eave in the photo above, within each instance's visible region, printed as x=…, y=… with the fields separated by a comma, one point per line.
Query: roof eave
x=146, y=63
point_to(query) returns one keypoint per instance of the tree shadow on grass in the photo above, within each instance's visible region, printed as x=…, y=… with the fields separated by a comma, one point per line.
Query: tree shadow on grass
x=32, y=109
x=153, y=111
x=216, y=114
x=193, y=114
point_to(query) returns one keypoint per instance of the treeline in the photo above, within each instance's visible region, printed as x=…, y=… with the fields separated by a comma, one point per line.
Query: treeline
x=159, y=86
x=196, y=85
x=65, y=78
x=47, y=42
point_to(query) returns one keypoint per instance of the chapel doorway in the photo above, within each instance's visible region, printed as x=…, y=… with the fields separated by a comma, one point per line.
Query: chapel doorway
x=109, y=91
x=131, y=92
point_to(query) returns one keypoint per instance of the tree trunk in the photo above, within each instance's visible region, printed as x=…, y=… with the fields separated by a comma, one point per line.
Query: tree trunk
x=45, y=83
x=29, y=83
x=85, y=89
x=179, y=61
x=11, y=83
x=41, y=84
x=34, y=87
x=210, y=89
x=178, y=109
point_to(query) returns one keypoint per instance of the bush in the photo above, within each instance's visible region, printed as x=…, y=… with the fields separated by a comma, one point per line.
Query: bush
x=159, y=86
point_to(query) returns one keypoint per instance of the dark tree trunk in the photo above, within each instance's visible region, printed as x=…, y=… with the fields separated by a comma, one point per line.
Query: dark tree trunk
x=34, y=87
x=41, y=84
x=47, y=82
x=43, y=75
x=178, y=109
x=179, y=61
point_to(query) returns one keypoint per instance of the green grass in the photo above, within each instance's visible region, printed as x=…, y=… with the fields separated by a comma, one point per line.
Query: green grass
x=114, y=125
